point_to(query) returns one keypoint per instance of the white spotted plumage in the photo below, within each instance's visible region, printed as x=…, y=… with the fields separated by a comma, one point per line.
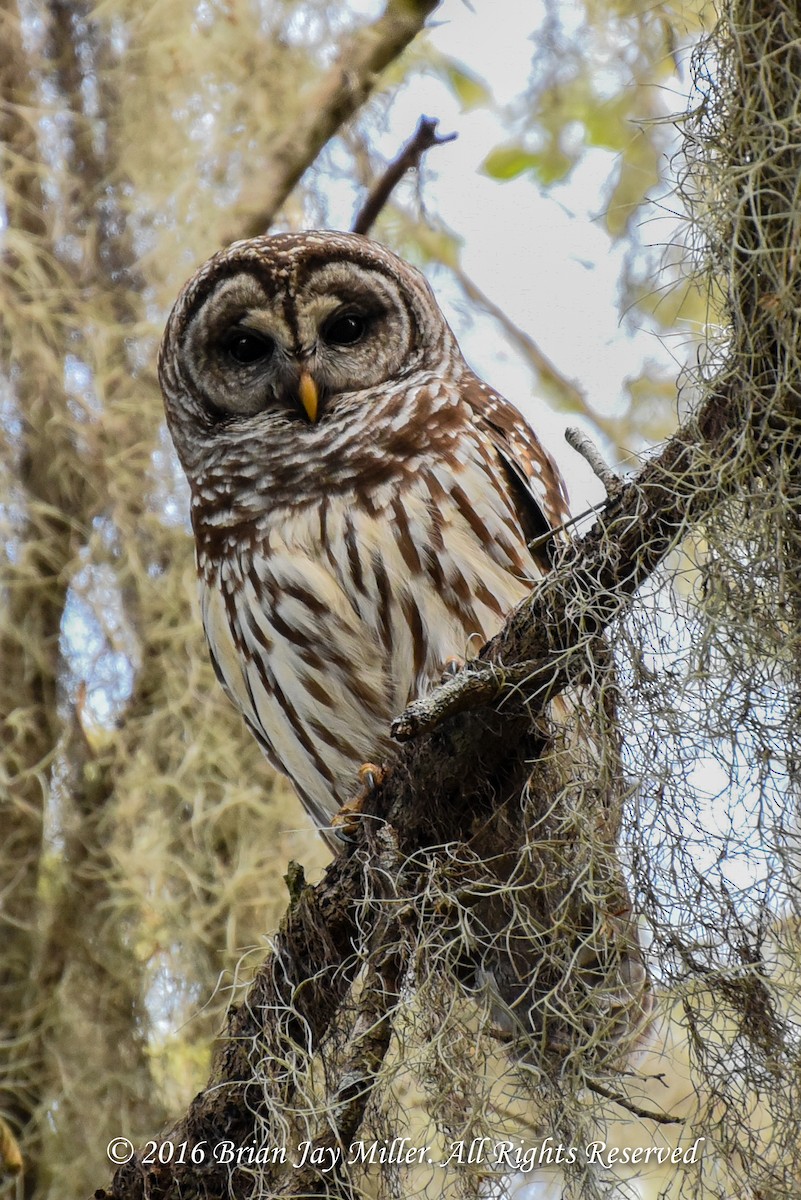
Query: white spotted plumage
x=310, y=672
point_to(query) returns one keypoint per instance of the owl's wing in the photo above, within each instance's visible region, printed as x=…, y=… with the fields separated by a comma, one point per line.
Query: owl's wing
x=536, y=486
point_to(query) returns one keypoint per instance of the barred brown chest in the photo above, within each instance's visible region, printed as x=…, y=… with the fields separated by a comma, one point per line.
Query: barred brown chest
x=336, y=618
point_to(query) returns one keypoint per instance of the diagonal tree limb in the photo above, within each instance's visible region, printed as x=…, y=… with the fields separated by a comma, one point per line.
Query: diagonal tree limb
x=358, y=1071
x=565, y=390
x=597, y=574
x=340, y=93
x=465, y=748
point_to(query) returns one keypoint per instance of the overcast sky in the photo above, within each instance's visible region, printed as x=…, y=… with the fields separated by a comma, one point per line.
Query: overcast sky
x=545, y=259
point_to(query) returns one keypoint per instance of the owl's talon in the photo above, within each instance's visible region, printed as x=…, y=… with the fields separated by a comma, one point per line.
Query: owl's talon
x=346, y=821
x=370, y=777
x=451, y=668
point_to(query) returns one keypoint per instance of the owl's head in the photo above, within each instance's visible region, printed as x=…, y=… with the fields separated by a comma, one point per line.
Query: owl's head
x=297, y=329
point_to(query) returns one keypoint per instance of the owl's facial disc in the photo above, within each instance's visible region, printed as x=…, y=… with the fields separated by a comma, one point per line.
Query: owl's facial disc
x=261, y=342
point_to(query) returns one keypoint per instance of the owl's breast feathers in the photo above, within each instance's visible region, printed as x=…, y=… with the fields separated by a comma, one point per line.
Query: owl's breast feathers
x=325, y=617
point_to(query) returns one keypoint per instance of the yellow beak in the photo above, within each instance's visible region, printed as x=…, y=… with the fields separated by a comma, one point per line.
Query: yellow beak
x=309, y=396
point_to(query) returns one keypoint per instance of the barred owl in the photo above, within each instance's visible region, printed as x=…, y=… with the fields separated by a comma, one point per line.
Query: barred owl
x=362, y=503
x=364, y=510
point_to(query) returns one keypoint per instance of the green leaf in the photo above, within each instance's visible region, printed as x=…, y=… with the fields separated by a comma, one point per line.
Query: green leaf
x=507, y=162
x=470, y=91
x=607, y=123
x=552, y=164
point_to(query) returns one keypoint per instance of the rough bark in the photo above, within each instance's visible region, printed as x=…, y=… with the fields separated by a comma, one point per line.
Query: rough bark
x=468, y=745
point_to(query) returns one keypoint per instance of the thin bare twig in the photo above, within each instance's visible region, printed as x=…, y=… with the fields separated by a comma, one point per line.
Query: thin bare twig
x=340, y=93
x=424, y=137
x=646, y=1114
x=589, y=451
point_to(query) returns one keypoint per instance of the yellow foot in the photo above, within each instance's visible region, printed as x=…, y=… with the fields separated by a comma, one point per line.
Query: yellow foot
x=346, y=821
x=451, y=666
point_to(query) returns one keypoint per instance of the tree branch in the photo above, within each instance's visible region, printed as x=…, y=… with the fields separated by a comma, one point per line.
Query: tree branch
x=340, y=93
x=597, y=575
x=547, y=372
x=579, y=442
x=636, y=1110
x=462, y=753
x=424, y=137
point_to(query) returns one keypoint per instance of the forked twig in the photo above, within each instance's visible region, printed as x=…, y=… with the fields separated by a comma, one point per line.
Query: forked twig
x=424, y=137
x=644, y=1114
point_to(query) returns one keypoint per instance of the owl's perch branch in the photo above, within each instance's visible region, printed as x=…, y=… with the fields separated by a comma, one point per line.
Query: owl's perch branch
x=476, y=684
x=424, y=138
x=340, y=93
x=596, y=577
x=472, y=742
x=353, y=1075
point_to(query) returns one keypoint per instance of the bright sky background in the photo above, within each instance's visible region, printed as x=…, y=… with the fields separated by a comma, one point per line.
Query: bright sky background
x=545, y=259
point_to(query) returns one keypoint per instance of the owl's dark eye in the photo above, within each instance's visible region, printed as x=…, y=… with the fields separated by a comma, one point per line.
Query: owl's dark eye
x=246, y=347
x=344, y=329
